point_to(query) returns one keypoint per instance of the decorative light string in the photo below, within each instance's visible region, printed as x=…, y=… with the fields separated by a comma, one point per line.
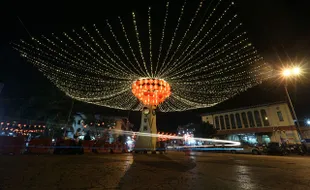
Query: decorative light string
x=193, y=50
x=150, y=40
x=123, y=51
x=196, y=35
x=186, y=32
x=165, y=65
x=203, y=56
x=131, y=49
x=162, y=37
x=139, y=42
x=205, y=59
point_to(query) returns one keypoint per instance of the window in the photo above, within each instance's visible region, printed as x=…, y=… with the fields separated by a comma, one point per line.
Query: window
x=265, y=117
x=239, y=123
x=251, y=119
x=232, y=120
x=257, y=119
x=227, y=122
x=244, y=120
x=280, y=116
x=217, y=122
x=222, y=122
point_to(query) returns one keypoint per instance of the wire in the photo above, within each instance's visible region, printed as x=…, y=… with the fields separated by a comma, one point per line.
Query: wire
x=24, y=27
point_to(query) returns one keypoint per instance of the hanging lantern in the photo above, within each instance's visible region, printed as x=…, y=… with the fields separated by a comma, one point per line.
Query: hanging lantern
x=151, y=91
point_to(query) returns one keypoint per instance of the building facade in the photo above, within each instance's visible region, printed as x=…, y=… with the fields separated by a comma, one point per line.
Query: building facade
x=187, y=132
x=188, y=129
x=255, y=125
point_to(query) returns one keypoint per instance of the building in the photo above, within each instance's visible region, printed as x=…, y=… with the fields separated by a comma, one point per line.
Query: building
x=187, y=132
x=98, y=125
x=257, y=124
x=188, y=129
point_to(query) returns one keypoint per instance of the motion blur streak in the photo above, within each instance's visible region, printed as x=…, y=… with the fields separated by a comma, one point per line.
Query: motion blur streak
x=229, y=143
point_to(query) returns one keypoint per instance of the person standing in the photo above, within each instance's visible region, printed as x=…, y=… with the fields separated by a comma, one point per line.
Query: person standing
x=77, y=134
x=87, y=136
x=78, y=142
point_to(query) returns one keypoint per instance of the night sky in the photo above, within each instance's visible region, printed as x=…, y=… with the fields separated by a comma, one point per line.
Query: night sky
x=279, y=29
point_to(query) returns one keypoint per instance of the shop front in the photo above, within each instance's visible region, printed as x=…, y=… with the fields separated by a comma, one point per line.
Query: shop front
x=262, y=135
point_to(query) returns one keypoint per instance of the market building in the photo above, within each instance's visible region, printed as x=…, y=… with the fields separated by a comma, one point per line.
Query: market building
x=259, y=124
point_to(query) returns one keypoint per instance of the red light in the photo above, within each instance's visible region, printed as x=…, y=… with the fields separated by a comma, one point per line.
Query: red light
x=151, y=91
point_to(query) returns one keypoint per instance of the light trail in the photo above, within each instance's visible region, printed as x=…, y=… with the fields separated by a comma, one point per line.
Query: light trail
x=227, y=142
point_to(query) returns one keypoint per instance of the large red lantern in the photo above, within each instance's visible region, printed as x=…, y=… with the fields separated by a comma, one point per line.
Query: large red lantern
x=151, y=91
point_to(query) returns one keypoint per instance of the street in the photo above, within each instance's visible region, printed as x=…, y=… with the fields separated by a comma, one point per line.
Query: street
x=174, y=170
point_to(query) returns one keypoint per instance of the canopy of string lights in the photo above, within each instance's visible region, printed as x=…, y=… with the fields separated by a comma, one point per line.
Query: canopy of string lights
x=198, y=50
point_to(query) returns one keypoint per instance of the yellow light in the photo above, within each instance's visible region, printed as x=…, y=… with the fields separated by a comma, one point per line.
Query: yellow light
x=287, y=72
x=177, y=54
x=296, y=70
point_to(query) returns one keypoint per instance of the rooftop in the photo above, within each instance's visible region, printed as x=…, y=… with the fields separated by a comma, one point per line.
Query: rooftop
x=243, y=108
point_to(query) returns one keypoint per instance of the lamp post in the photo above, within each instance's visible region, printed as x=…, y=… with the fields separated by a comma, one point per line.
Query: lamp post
x=287, y=74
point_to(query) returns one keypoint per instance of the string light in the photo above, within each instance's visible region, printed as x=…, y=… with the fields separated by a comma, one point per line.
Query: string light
x=150, y=39
x=186, y=32
x=130, y=47
x=173, y=37
x=193, y=50
x=204, y=59
x=162, y=37
x=139, y=42
x=195, y=36
x=121, y=48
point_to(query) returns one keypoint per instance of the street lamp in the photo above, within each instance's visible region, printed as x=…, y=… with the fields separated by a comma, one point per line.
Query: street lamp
x=296, y=71
x=289, y=73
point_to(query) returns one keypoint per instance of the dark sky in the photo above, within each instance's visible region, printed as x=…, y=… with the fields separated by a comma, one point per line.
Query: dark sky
x=279, y=29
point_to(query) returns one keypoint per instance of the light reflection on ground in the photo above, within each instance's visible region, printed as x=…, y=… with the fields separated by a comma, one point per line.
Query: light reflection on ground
x=175, y=170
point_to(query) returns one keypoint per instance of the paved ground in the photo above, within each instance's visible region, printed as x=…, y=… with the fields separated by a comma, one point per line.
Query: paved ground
x=170, y=171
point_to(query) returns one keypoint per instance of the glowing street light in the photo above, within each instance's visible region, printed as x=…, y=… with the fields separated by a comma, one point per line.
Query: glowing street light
x=308, y=122
x=288, y=72
x=296, y=70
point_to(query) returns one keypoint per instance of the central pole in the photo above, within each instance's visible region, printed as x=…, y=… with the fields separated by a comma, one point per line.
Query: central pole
x=146, y=141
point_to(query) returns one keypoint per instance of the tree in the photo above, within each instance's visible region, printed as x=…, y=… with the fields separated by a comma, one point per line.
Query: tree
x=205, y=130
